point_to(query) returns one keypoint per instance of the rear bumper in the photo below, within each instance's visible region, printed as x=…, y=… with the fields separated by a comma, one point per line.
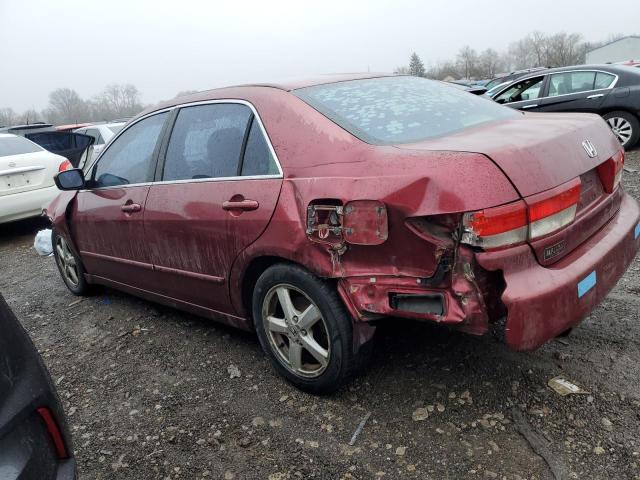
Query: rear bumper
x=542, y=302
x=26, y=204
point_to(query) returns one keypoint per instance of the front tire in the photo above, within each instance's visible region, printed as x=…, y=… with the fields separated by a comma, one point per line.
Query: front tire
x=303, y=328
x=69, y=265
x=625, y=127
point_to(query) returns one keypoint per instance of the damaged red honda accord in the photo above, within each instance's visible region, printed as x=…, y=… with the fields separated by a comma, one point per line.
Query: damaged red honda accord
x=308, y=211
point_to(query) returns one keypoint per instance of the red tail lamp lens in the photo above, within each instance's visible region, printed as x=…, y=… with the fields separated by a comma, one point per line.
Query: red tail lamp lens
x=66, y=165
x=610, y=172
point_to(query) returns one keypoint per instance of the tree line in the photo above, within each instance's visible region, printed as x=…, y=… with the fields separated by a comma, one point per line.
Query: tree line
x=66, y=106
x=534, y=50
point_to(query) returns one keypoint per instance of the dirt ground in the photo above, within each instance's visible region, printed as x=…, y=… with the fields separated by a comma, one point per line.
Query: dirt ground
x=148, y=392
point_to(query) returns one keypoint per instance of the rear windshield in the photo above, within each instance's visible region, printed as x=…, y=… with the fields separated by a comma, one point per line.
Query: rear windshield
x=395, y=110
x=16, y=146
x=115, y=128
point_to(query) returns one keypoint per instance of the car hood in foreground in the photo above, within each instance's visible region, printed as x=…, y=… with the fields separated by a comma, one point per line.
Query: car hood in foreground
x=537, y=151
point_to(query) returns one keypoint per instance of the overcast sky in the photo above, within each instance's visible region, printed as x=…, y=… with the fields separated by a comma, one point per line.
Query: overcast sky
x=163, y=47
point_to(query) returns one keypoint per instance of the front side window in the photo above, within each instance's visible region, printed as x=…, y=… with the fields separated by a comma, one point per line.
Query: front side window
x=402, y=109
x=529, y=89
x=206, y=142
x=11, y=145
x=129, y=159
x=571, y=82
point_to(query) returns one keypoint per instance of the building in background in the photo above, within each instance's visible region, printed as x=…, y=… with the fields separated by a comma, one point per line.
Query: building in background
x=627, y=48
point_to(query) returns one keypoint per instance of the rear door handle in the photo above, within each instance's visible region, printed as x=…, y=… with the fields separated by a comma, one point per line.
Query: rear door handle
x=529, y=106
x=597, y=95
x=131, y=207
x=244, y=205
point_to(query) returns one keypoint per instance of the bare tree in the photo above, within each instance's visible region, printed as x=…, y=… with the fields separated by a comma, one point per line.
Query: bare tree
x=66, y=106
x=28, y=116
x=7, y=116
x=467, y=61
x=403, y=70
x=490, y=62
x=565, y=49
x=116, y=101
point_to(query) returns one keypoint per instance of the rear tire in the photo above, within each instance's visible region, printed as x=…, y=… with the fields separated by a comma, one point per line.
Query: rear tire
x=625, y=126
x=69, y=265
x=303, y=328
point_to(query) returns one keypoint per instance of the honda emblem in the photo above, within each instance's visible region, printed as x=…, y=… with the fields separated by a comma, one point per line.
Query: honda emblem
x=590, y=149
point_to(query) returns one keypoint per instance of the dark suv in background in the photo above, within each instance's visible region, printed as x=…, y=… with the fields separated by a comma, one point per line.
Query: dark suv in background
x=35, y=443
x=611, y=91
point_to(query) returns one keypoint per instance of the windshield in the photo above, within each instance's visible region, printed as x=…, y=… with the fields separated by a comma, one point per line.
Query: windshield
x=17, y=146
x=115, y=128
x=403, y=109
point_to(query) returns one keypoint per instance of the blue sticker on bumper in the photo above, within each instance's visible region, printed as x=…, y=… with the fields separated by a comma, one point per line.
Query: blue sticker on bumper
x=586, y=284
x=636, y=232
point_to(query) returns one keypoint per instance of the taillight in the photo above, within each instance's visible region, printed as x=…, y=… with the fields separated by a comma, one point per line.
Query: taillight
x=54, y=432
x=610, y=172
x=496, y=227
x=66, y=165
x=515, y=223
x=551, y=210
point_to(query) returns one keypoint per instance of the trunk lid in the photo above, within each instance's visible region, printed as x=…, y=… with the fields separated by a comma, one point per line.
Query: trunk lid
x=538, y=152
x=29, y=171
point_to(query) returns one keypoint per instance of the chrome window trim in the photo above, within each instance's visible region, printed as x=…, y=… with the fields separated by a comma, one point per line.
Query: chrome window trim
x=256, y=116
x=611, y=87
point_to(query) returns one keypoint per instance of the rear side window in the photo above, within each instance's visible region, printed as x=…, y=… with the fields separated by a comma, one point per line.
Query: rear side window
x=604, y=80
x=396, y=110
x=258, y=159
x=206, y=142
x=571, y=82
x=17, y=146
x=129, y=159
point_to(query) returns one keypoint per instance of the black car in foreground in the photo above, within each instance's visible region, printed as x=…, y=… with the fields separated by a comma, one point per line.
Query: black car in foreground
x=612, y=91
x=35, y=443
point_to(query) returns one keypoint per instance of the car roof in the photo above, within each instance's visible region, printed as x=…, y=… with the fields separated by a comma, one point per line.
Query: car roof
x=285, y=85
x=295, y=83
x=607, y=67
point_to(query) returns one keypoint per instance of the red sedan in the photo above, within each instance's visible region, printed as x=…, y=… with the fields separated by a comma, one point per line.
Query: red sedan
x=311, y=211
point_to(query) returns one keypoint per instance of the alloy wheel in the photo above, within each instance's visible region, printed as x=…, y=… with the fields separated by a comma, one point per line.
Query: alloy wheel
x=621, y=128
x=68, y=264
x=296, y=331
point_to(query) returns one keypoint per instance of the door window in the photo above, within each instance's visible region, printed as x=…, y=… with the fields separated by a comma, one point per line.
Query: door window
x=206, y=142
x=129, y=159
x=528, y=89
x=258, y=159
x=571, y=82
x=604, y=80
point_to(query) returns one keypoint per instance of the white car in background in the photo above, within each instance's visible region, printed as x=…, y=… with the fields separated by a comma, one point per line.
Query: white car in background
x=102, y=133
x=26, y=177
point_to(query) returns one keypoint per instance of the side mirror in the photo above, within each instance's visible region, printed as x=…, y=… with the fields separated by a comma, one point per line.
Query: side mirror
x=70, y=179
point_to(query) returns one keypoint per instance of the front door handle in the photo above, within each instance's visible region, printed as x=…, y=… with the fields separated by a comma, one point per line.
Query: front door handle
x=244, y=205
x=529, y=106
x=597, y=95
x=131, y=207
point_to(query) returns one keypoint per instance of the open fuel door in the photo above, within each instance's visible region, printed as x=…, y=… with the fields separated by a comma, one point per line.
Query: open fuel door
x=359, y=222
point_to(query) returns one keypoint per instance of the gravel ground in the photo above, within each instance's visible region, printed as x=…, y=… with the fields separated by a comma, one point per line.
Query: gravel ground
x=149, y=393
